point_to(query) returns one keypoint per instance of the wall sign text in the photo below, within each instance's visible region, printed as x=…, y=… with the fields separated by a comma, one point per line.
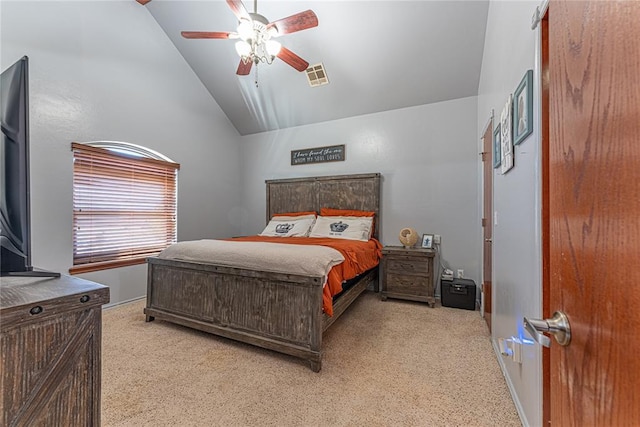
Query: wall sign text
x=333, y=153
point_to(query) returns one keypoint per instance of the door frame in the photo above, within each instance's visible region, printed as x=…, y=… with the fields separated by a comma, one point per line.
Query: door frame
x=544, y=202
x=487, y=162
x=541, y=74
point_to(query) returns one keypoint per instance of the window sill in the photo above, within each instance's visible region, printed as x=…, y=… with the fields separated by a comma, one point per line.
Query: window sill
x=97, y=266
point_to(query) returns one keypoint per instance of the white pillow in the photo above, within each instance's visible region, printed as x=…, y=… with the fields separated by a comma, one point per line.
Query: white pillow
x=288, y=227
x=343, y=227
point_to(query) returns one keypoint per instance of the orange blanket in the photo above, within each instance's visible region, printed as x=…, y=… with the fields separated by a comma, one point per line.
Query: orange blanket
x=358, y=258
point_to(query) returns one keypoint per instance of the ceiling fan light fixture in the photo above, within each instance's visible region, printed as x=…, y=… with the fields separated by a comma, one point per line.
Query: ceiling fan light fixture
x=243, y=48
x=273, y=47
x=245, y=30
x=255, y=44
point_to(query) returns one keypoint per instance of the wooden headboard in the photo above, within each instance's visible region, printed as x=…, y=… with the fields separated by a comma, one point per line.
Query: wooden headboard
x=361, y=192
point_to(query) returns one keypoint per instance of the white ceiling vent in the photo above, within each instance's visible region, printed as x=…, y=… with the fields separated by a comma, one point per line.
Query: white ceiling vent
x=317, y=75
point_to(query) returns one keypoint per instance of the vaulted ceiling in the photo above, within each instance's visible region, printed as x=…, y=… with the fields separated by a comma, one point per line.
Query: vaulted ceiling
x=378, y=55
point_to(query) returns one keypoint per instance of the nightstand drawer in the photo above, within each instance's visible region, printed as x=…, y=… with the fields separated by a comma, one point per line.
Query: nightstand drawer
x=408, y=265
x=407, y=285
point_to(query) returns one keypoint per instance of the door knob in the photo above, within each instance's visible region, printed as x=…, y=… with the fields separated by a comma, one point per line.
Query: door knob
x=558, y=326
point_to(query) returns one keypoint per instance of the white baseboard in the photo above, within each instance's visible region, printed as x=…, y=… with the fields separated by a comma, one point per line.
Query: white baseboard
x=512, y=390
x=116, y=304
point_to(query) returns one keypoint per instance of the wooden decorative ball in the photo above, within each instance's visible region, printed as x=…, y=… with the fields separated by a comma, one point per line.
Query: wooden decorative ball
x=408, y=237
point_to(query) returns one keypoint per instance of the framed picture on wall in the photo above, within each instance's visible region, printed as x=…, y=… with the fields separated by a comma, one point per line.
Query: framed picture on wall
x=523, y=109
x=497, y=149
x=427, y=241
x=506, y=136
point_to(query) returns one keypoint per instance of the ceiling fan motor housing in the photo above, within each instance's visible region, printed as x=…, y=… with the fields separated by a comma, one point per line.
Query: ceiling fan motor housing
x=259, y=25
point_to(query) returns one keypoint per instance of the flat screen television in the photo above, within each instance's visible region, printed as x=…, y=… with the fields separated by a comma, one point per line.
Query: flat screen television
x=15, y=214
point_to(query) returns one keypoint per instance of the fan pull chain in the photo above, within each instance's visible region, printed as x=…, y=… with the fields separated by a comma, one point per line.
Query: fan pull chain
x=256, y=76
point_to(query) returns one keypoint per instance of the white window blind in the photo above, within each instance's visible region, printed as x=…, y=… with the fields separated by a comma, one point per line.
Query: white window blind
x=124, y=207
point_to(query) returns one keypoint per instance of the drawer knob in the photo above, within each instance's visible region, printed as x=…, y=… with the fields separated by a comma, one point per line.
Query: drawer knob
x=84, y=298
x=36, y=310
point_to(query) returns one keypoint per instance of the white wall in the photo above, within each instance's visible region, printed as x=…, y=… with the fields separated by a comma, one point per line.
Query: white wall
x=510, y=46
x=427, y=156
x=104, y=70
x=94, y=80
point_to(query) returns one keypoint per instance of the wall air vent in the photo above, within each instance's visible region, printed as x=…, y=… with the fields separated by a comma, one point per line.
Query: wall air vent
x=317, y=75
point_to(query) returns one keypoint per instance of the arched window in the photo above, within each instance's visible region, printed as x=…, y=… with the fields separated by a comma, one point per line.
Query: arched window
x=124, y=204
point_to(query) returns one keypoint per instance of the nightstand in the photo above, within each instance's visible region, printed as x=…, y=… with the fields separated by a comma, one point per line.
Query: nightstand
x=407, y=273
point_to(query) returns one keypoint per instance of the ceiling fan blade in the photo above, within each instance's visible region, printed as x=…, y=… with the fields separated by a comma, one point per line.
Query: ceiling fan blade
x=205, y=34
x=292, y=59
x=298, y=22
x=143, y=2
x=244, y=68
x=238, y=9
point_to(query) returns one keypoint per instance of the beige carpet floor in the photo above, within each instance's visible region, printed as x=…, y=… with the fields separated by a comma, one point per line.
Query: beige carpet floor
x=391, y=363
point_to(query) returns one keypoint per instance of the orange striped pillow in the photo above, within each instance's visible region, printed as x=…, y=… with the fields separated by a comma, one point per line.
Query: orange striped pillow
x=296, y=213
x=344, y=212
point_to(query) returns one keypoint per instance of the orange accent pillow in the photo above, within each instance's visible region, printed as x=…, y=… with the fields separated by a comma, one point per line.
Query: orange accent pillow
x=344, y=212
x=296, y=213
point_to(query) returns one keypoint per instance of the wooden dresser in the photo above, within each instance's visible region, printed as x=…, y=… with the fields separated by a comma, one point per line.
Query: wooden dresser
x=50, y=341
x=407, y=273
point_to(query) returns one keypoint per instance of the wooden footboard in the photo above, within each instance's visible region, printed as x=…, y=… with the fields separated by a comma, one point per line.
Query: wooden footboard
x=280, y=312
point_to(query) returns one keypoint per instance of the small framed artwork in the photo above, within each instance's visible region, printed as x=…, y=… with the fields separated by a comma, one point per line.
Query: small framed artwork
x=427, y=241
x=506, y=136
x=497, y=147
x=523, y=109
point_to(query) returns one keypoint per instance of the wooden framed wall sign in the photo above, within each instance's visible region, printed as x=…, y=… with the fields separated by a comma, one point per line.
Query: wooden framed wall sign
x=332, y=153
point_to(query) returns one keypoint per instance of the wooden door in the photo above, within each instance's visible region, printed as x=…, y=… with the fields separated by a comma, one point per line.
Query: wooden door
x=487, y=229
x=594, y=210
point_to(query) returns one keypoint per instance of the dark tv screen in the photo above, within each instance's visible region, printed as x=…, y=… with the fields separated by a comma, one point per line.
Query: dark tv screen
x=14, y=174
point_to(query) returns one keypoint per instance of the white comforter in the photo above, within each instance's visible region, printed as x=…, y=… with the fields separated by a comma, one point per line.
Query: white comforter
x=308, y=260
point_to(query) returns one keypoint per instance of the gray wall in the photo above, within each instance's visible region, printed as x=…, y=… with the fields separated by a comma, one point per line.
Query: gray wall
x=510, y=47
x=428, y=159
x=93, y=80
x=104, y=70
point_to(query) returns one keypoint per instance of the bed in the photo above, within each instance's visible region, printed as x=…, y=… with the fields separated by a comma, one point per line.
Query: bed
x=277, y=311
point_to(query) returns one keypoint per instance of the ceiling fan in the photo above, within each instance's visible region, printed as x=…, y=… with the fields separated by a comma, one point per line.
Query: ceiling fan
x=255, y=36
